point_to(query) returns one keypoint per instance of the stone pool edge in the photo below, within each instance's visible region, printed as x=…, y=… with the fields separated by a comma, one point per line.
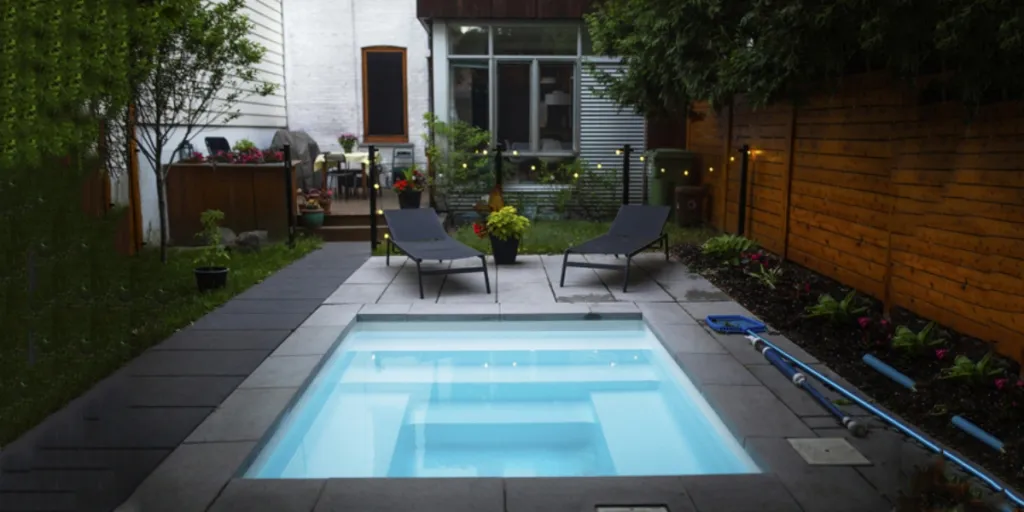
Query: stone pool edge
x=204, y=472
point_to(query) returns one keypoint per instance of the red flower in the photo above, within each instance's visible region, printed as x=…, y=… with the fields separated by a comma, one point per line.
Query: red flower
x=401, y=185
x=1020, y=383
x=1001, y=383
x=479, y=229
x=941, y=353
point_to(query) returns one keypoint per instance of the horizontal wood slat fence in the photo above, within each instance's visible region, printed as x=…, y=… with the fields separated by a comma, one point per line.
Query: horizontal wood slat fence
x=912, y=204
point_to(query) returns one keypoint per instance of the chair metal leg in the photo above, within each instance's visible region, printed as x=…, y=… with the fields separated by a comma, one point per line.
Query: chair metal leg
x=565, y=259
x=387, y=253
x=625, y=282
x=419, y=276
x=664, y=242
x=487, y=280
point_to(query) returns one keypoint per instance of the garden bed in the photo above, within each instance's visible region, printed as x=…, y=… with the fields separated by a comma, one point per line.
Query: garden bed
x=993, y=401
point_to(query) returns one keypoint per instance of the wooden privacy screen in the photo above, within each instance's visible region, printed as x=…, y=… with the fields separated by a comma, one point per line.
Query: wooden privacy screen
x=910, y=204
x=252, y=197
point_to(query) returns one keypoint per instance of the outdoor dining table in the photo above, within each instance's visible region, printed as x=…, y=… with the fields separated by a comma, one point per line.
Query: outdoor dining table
x=324, y=159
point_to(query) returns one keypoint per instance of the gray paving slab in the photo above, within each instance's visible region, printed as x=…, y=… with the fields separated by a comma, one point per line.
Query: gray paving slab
x=624, y=310
x=246, y=415
x=292, y=289
x=720, y=369
x=407, y=291
x=374, y=274
x=385, y=312
x=524, y=292
x=243, y=339
x=249, y=321
x=149, y=427
x=585, y=494
x=686, y=338
x=794, y=397
x=413, y=494
x=694, y=288
x=189, y=479
x=310, y=341
x=644, y=291
x=741, y=349
x=739, y=493
x=192, y=391
x=817, y=488
x=282, y=372
x=701, y=310
x=582, y=294
x=894, y=457
x=265, y=495
x=753, y=411
x=357, y=293
x=173, y=363
x=332, y=315
x=41, y=501
x=465, y=289
x=828, y=451
x=665, y=313
x=260, y=306
x=544, y=311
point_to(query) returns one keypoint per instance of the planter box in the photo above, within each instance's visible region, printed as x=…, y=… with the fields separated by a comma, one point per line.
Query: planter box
x=252, y=197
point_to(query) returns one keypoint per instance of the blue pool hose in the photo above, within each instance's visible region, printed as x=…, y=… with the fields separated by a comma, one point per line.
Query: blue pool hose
x=979, y=434
x=751, y=335
x=890, y=372
x=800, y=380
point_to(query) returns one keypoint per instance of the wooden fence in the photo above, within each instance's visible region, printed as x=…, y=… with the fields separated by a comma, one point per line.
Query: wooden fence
x=252, y=197
x=912, y=204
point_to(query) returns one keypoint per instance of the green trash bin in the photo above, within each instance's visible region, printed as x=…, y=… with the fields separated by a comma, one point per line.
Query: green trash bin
x=666, y=169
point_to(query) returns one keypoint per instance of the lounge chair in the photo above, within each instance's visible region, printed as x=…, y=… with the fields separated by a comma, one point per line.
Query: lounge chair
x=635, y=228
x=417, y=233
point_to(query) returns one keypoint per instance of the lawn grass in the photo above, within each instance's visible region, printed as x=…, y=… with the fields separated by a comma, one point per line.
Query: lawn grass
x=82, y=335
x=555, y=236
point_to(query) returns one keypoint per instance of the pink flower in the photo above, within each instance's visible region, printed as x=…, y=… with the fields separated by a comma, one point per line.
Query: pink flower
x=885, y=323
x=1020, y=383
x=1001, y=383
x=755, y=257
x=864, y=322
x=941, y=353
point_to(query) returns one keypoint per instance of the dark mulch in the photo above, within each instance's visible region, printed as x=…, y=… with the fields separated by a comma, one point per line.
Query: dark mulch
x=999, y=411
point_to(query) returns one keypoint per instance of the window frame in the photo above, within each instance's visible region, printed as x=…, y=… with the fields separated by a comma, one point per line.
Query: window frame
x=535, y=61
x=367, y=137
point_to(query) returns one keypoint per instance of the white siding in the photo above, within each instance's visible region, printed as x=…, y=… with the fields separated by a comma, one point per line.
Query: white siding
x=323, y=63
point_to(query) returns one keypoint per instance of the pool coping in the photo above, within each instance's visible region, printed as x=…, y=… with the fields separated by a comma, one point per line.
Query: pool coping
x=230, y=439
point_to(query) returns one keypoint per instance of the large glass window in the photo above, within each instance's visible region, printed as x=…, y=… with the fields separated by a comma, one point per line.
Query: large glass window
x=471, y=93
x=536, y=40
x=468, y=40
x=555, y=106
x=514, y=126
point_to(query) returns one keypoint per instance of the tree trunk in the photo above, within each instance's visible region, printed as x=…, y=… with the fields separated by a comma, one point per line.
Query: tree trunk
x=161, y=194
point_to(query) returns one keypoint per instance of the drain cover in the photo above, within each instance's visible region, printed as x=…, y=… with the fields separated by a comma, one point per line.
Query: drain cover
x=617, y=508
x=828, y=451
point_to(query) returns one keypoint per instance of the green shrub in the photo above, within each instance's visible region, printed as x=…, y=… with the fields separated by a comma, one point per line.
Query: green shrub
x=906, y=339
x=727, y=249
x=838, y=312
x=506, y=223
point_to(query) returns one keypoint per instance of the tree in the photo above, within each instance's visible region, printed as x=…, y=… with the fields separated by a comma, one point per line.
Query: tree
x=679, y=51
x=203, y=66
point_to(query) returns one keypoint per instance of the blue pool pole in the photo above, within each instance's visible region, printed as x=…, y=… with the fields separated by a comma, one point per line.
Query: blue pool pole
x=800, y=380
x=979, y=434
x=890, y=372
x=751, y=335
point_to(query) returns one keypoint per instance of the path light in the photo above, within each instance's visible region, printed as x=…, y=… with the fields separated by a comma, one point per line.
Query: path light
x=598, y=166
x=618, y=152
x=533, y=167
x=387, y=235
x=485, y=152
x=641, y=158
x=662, y=169
x=711, y=169
x=515, y=152
x=476, y=151
x=686, y=173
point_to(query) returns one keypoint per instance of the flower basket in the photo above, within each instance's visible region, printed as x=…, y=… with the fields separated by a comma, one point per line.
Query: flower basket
x=312, y=213
x=410, y=188
x=504, y=251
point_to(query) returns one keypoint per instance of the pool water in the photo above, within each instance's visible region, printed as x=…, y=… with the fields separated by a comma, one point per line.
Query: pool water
x=500, y=399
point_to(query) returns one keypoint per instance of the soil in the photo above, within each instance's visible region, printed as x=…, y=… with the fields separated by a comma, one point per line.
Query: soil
x=997, y=407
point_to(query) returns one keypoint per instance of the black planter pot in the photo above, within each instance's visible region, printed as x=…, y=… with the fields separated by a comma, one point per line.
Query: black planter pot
x=410, y=199
x=211, y=278
x=505, y=251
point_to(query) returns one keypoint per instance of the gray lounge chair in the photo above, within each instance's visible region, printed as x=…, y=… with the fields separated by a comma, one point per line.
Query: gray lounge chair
x=635, y=228
x=417, y=233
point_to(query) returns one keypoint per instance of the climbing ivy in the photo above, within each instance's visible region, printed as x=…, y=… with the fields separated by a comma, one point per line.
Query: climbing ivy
x=680, y=51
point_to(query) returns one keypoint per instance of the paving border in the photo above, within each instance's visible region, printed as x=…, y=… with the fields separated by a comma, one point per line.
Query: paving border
x=207, y=470
x=92, y=454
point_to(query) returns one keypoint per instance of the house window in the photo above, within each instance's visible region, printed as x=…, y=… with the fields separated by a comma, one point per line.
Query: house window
x=385, y=109
x=527, y=76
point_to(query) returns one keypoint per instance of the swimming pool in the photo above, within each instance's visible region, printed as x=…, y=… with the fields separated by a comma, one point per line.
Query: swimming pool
x=500, y=399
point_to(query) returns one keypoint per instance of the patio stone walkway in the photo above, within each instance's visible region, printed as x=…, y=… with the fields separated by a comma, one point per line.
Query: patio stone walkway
x=92, y=454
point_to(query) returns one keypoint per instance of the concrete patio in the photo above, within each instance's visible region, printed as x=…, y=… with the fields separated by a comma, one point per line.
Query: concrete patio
x=184, y=419
x=810, y=463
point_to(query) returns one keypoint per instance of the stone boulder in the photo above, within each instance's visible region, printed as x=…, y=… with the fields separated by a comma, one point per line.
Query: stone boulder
x=227, y=237
x=251, y=241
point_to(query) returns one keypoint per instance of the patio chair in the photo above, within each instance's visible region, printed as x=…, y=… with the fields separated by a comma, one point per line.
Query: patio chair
x=217, y=144
x=635, y=228
x=418, y=234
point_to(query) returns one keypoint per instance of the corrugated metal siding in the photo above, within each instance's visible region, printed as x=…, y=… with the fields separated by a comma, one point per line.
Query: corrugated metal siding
x=605, y=127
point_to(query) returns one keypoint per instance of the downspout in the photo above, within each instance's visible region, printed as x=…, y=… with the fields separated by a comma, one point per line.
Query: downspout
x=429, y=26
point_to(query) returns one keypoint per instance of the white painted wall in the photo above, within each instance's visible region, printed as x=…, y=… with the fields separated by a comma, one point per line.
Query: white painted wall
x=323, y=64
x=260, y=116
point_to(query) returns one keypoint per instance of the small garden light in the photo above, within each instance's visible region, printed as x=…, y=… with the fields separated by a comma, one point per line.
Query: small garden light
x=485, y=152
x=464, y=165
x=376, y=186
x=662, y=169
x=575, y=175
x=641, y=159
x=387, y=235
x=618, y=152
x=598, y=166
x=533, y=167
x=380, y=212
x=711, y=169
x=732, y=159
x=515, y=152
x=686, y=173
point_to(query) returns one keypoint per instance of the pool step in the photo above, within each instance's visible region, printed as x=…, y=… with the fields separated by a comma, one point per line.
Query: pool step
x=652, y=446
x=553, y=374
x=503, y=413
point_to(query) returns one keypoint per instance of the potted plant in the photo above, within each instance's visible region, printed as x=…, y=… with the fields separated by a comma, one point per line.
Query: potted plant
x=224, y=157
x=271, y=156
x=505, y=227
x=211, y=269
x=312, y=213
x=410, y=188
x=244, y=146
x=323, y=197
x=347, y=142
